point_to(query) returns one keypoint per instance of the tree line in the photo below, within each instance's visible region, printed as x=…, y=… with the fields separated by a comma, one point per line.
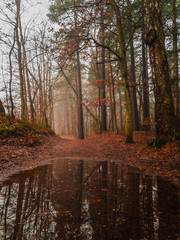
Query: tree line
x=116, y=62
x=26, y=65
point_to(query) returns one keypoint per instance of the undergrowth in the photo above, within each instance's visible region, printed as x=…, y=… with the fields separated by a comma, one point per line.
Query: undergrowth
x=22, y=132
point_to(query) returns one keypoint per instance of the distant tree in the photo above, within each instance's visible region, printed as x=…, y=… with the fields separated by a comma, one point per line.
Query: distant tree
x=132, y=76
x=72, y=41
x=133, y=88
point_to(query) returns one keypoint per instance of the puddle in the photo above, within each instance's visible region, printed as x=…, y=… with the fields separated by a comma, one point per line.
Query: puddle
x=74, y=199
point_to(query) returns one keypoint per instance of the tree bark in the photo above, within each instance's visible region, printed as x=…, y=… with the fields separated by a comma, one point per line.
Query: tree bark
x=22, y=87
x=79, y=102
x=164, y=108
x=112, y=99
x=124, y=73
x=133, y=89
x=146, y=112
x=99, y=91
x=27, y=75
x=79, y=91
x=11, y=73
x=103, y=75
x=120, y=108
x=175, y=61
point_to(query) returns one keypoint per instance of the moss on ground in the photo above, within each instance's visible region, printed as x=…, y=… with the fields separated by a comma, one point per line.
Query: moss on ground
x=22, y=132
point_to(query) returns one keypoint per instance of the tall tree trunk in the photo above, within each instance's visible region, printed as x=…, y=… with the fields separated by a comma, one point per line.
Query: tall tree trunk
x=120, y=107
x=79, y=88
x=27, y=75
x=140, y=100
x=111, y=122
x=175, y=61
x=113, y=98
x=133, y=89
x=10, y=70
x=124, y=73
x=114, y=108
x=24, y=80
x=164, y=108
x=103, y=75
x=22, y=87
x=99, y=92
x=41, y=97
x=50, y=97
x=79, y=101
x=146, y=113
x=45, y=100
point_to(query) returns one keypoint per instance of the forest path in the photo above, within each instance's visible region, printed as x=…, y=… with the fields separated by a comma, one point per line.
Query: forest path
x=104, y=147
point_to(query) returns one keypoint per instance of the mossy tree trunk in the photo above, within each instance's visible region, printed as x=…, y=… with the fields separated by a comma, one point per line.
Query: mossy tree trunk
x=124, y=73
x=164, y=109
x=175, y=62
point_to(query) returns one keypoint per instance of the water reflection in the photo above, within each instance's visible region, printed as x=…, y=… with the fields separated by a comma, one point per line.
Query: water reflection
x=88, y=200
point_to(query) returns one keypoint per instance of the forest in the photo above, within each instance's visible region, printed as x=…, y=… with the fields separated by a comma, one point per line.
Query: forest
x=89, y=119
x=88, y=67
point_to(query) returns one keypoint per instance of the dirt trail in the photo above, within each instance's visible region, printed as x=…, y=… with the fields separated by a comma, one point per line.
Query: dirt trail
x=98, y=147
x=14, y=158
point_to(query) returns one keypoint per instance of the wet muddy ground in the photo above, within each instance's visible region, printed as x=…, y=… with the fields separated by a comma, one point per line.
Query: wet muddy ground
x=165, y=161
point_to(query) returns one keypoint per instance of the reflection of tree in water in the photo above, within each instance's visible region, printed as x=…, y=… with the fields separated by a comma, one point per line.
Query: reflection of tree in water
x=67, y=198
x=26, y=210
x=132, y=211
x=114, y=203
x=88, y=200
x=168, y=209
x=97, y=196
x=147, y=203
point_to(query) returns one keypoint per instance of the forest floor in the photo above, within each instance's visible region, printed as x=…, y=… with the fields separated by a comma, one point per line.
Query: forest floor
x=107, y=146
